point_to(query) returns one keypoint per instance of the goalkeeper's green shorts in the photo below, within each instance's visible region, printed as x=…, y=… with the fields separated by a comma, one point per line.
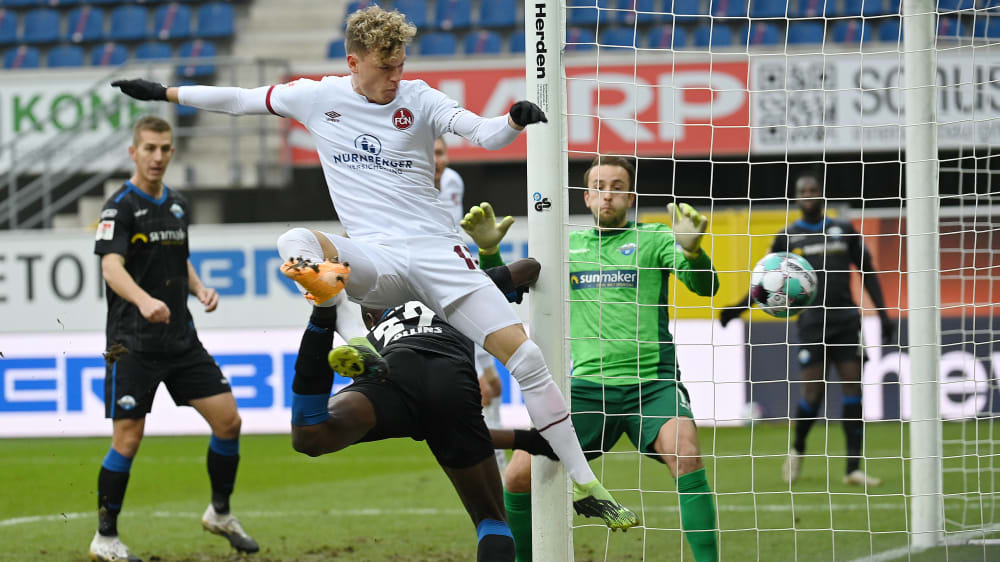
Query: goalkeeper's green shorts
x=602, y=413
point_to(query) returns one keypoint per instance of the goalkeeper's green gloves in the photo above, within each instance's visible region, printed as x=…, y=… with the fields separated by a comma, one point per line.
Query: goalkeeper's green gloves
x=689, y=227
x=480, y=223
x=142, y=89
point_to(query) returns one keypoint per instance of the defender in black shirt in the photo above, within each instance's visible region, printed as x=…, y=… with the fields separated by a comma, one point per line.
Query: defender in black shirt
x=829, y=331
x=423, y=387
x=142, y=241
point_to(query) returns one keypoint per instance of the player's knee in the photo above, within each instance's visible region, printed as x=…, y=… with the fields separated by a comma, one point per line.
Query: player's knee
x=299, y=242
x=517, y=476
x=688, y=458
x=229, y=427
x=527, y=366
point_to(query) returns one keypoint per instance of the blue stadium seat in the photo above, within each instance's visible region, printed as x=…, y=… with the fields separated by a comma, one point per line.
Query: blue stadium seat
x=453, y=14
x=483, y=43
x=761, y=33
x=580, y=39
x=816, y=8
x=497, y=13
x=517, y=41
x=618, y=37
x=856, y=8
x=991, y=4
x=666, y=37
x=987, y=27
x=95, y=2
x=128, y=23
x=186, y=111
x=889, y=31
x=8, y=27
x=336, y=50
x=630, y=12
x=415, y=11
x=196, y=49
x=586, y=12
x=41, y=26
x=729, y=8
x=61, y=3
x=713, y=35
x=21, y=57
x=23, y=3
x=108, y=54
x=687, y=10
x=172, y=21
x=85, y=24
x=954, y=5
x=153, y=50
x=65, y=56
x=438, y=43
x=356, y=5
x=950, y=27
x=768, y=8
x=805, y=32
x=215, y=20
x=852, y=32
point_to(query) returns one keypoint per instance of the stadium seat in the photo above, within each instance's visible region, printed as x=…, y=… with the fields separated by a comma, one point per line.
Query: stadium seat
x=630, y=12
x=8, y=27
x=109, y=54
x=336, y=50
x=483, y=43
x=517, y=41
x=803, y=32
x=768, y=8
x=889, y=31
x=415, y=11
x=61, y=3
x=21, y=57
x=991, y=4
x=580, y=39
x=950, y=27
x=687, y=10
x=587, y=12
x=85, y=24
x=453, y=14
x=497, y=13
x=955, y=5
x=438, y=43
x=618, y=37
x=666, y=37
x=856, y=8
x=41, y=26
x=356, y=5
x=760, y=33
x=215, y=20
x=186, y=111
x=713, y=35
x=153, y=50
x=729, y=8
x=852, y=32
x=128, y=23
x=816, y=8
x=23, y=3
x=172, y=21
x=196, y=49
x=987, y=27
x=65, y=56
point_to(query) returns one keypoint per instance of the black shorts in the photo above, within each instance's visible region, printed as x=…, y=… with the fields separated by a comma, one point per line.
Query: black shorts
x=130, y=383
x=839, y=341
x=433, y=397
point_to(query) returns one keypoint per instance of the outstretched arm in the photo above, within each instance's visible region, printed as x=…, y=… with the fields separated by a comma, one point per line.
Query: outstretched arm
x=293, y=99
x=493, y=133
x=692, y=264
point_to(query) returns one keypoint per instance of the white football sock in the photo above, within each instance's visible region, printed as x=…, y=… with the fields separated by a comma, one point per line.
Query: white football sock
x=547, y=409
x=302, y=243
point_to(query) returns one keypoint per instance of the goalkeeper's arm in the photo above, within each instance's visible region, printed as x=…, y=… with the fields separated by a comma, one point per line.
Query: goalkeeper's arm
x=481, y=225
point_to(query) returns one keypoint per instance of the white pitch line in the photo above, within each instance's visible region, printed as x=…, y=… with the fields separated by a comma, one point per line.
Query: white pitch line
x=961, y=537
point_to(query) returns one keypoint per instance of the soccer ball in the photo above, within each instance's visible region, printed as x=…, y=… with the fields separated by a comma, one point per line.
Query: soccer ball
x=782, y=283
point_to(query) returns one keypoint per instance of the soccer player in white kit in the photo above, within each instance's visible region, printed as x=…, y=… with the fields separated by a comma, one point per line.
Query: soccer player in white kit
x=374, y=134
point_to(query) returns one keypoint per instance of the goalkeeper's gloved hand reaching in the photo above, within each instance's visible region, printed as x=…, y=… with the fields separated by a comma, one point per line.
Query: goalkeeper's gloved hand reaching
x=689, y=227
x=481, y=225
x=524, y=113
x=140, y=89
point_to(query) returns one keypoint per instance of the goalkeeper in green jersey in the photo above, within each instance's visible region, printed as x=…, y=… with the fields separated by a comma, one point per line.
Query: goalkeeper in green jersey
x=623, y=354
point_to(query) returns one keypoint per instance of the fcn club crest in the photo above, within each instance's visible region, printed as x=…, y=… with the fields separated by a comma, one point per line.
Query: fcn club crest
x=402, y=119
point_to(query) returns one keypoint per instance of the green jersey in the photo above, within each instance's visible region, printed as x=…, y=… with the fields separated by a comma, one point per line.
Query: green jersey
x=618, y=294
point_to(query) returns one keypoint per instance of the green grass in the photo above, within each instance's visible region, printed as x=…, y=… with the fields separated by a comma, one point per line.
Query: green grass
x=390, y=501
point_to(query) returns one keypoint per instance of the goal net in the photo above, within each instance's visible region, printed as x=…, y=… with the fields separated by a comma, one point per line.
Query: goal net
x=724, y=104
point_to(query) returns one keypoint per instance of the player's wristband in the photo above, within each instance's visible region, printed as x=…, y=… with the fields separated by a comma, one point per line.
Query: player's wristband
x=487, y=261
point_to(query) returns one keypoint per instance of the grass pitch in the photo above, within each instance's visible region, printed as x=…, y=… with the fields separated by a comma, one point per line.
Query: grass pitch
x=389, y=500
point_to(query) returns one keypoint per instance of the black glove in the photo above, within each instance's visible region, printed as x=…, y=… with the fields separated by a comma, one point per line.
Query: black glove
x=889, y=327
x=142, y=89
x=729, y=314
x=525, y=113
x=532, y=442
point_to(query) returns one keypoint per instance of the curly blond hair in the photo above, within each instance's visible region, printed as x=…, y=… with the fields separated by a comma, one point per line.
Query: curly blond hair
x=374, y=30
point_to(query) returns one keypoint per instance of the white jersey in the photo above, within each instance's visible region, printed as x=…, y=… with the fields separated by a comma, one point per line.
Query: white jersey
x=452, y=191
x=379, y=159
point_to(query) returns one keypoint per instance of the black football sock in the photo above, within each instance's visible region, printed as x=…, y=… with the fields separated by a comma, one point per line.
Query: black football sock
x=853, y=431
x=223, y=460
x=111, y=483
x=805, y=417
x=495, y=542
x=313, y=374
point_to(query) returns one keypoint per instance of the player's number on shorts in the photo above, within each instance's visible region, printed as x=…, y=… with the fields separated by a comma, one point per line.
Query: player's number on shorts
x=463, y=253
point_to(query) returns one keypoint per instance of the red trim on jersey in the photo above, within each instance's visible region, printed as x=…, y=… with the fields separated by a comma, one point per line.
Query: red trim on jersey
x=267, y=101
